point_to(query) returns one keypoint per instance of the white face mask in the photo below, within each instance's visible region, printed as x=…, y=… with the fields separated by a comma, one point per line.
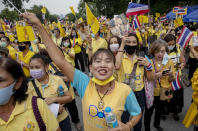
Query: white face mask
x=171, y=47
x=66, y=44
x=114, y=47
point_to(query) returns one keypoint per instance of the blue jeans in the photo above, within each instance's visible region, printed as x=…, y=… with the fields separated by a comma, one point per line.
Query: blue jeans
x=65, y=124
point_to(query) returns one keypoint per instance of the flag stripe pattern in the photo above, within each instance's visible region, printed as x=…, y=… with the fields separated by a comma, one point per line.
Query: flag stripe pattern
x=136, y=9
x=184, y=37
x=136, y=23
x=176, y=84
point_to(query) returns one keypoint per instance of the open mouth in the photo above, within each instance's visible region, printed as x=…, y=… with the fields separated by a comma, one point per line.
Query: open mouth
x=102, y=71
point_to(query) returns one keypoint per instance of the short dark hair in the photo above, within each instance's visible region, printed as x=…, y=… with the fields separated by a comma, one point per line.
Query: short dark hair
x=27, y=43
x=5, y=37
x=15, y=70
x=71, y=33
x=64, y=39
x=105, y=51
x=43, y=56
x=169, y=37
x=57, y=30
x=1, y=32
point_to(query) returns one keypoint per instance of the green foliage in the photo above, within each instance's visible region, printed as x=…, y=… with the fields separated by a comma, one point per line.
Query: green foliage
x=17, y=3
x=9, y=15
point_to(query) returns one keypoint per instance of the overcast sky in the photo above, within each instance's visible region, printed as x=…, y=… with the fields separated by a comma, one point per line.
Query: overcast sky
x=54, y=6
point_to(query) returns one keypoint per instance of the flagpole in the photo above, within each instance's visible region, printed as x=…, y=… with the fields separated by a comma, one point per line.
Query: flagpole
x=15, y=7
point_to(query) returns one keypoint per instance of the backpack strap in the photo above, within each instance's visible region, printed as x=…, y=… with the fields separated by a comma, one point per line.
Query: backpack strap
x=37, y=114
x=54, y=67
x=37, y=89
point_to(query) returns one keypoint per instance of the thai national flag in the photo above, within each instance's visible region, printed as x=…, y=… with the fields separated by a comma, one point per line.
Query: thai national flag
x=184, y=37
x=176, y=8
x=176, y=84
x=182, y=11
x=136, y=9
x=163, y=19
x=136, y=23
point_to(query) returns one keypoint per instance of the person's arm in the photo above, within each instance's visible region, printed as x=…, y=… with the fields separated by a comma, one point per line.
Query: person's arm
x=134, y=120
x=55, y=54
x=120, y=54
x=71, y=53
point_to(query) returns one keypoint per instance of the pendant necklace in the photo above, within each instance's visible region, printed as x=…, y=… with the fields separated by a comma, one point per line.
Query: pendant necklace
x=101, y=102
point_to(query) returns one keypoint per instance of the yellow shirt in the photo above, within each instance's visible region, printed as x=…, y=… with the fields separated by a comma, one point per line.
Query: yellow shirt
x=50, y=91
x=57, y=41
x=163, y=80
x=191, y=43
x=78, y=43
x=67, y=57
x=100, y=43
x=127, y=68
x=35, y=47
x=12, y=52
x=23, y=116
x=26, y=60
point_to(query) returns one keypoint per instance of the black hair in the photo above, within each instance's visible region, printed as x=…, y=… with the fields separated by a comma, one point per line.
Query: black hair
x=7, y=39
x=71, y=33
x=169, y=37
x=57, y=30
x=27, y=43
x=118, y=39
x=43, y=55
x=1, y=32
x=64, y=39
x=105, y=51
x=15, y=70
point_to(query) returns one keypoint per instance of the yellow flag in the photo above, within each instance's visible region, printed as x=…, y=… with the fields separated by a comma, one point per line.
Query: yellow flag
x=92, y=20
x=157, y=15
x=43, y=10
x=62, y=31
x=25, y=33
x=178, y=22
x=72, y=9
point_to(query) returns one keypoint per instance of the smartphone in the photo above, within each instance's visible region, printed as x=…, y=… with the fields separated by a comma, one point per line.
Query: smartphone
x=166, y=71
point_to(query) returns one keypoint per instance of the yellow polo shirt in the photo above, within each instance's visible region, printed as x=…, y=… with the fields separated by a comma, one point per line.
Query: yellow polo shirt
x=50, y=91
x=57, y=41
x=78, y=43
x=100, y=43
x=163, y=80
x=191, y=43
x=26, y=60
x=22, y=117
x=35, y=48
x=67, y=57
x=127, y=68
x=12, y=52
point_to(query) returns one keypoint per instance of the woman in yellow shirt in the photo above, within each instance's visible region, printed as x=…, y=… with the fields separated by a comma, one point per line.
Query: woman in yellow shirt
x=131, y=71
x=52, y=88
x=164, y=75
x=68, y=50
x=76, y=43
x=99, y=92
x=177, y=56
x=19, y=111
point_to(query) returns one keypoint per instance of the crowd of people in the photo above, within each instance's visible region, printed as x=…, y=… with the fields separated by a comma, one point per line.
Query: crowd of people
x=131, y=74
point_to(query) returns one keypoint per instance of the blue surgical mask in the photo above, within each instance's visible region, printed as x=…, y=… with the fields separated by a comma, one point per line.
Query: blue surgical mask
x=6, y=93
x=93, y=35
x=3, y=44
x=35, y=41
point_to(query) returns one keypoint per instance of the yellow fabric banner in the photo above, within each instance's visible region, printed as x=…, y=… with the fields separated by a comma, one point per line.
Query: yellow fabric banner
x=25, y=33
x=92, y=20
x=72, y=10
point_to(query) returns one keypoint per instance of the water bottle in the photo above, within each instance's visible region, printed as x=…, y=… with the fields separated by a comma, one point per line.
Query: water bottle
x=110, y=118
x=60, y=90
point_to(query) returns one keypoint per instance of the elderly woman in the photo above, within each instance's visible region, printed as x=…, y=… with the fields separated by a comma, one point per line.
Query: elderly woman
x=99, y=92
x=19, y=111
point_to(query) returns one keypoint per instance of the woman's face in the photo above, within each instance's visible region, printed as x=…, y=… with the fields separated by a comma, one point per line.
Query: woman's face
x=132, y=41
x=113, y=41
x=171, y=43
x=102, y=67
x=38, y=64
x=160, y=54
x=6, y=78
x=73, y=32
